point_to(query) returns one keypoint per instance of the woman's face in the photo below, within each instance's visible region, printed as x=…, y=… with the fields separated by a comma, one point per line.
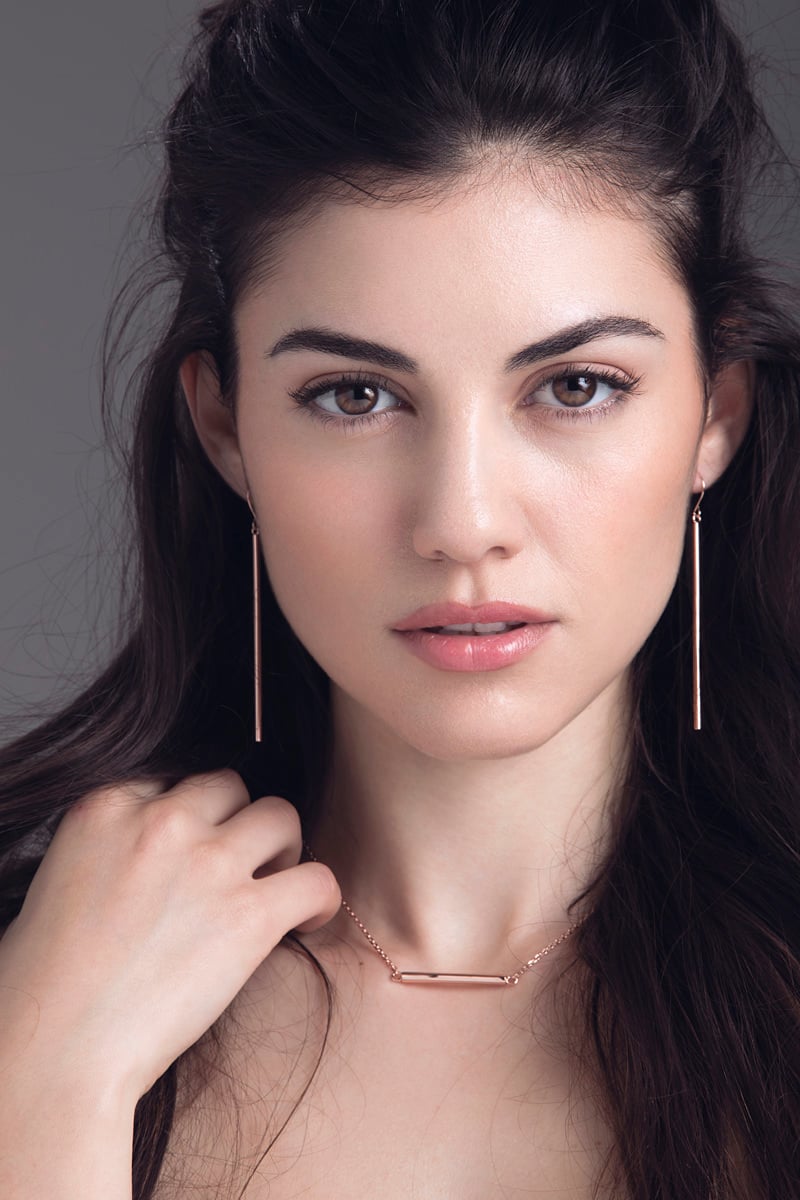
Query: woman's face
x=558, y=478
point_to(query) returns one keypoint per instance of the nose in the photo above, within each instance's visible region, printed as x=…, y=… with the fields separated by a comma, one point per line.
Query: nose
x=468, y=498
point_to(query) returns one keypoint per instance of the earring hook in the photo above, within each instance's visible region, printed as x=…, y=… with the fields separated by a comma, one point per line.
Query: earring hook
x=249, y=499
x=696, y=514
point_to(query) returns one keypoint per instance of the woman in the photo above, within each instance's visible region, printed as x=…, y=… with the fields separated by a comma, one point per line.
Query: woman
x=466, y=331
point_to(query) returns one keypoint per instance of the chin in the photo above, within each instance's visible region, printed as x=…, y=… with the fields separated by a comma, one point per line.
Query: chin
x=487, y=739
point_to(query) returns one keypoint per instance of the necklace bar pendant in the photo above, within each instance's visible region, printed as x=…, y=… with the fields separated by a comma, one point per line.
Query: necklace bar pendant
x=436, y=977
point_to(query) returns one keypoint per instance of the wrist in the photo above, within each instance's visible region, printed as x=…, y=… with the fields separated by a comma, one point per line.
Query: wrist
x=67, y=1139
x=42, y=1058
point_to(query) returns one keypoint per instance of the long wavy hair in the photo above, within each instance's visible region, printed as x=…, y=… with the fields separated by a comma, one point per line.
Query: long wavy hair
x=691, y=956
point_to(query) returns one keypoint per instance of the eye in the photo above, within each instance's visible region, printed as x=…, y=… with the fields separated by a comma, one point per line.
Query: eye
x=351, y=399
x=582, y=389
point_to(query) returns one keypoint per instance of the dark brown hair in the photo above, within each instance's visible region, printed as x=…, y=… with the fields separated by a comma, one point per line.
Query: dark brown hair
x=691, y=954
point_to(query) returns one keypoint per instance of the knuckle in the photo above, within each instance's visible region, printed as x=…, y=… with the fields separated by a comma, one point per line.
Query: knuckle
x=224, y=778
x=165, y=823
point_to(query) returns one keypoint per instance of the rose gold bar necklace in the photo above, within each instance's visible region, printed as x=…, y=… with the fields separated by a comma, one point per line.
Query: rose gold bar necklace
x=447, y=977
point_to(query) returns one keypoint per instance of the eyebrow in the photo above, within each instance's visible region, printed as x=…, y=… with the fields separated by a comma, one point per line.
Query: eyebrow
x=330, y=341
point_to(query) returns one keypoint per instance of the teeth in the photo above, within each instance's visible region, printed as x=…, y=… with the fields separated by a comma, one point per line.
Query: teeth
x=493, y=627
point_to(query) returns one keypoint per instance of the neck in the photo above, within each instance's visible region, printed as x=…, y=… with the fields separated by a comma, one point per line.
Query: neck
x=466, y=865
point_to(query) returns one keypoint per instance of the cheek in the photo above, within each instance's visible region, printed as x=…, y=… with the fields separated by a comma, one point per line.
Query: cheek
x=625, y=550
x=319, y=543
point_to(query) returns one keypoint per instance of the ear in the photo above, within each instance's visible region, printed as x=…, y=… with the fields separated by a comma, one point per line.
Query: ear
x=730, y=408
x=213, y=418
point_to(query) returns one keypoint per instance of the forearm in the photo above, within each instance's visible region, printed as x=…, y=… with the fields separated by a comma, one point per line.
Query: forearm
x=63, y=1143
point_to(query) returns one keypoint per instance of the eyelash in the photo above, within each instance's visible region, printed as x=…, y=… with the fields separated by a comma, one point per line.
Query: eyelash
x=624, y=385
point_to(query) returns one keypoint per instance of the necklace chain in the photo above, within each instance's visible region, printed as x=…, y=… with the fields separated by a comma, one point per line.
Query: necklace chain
x=433, y=977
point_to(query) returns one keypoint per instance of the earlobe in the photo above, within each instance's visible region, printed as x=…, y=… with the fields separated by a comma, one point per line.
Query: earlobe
x=212, y=418
x=730, y=409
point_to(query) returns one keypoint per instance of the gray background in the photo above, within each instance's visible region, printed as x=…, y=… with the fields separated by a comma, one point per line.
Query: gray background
x=82, y=86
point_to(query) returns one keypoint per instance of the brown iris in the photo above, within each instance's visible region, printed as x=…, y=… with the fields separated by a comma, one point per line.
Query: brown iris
x=574, y=390
x=366, y=397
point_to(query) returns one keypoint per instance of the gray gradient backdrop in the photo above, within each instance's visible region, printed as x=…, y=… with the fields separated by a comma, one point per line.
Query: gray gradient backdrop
x=81, y=89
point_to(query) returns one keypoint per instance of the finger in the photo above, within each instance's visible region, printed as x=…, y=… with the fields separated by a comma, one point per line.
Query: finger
x=215, y=796
x=265, y=836
x=302, y=897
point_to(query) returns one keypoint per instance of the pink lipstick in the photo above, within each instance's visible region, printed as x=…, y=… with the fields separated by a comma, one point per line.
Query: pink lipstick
x=427, y=634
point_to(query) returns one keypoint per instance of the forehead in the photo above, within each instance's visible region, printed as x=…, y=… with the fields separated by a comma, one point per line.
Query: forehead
x=501, y=251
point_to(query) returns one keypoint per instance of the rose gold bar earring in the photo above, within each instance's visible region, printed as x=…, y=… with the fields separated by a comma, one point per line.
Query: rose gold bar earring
x=696, y=519
x=256, y=622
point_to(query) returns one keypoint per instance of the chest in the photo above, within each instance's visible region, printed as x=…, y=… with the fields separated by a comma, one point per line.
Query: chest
x=414, y=1095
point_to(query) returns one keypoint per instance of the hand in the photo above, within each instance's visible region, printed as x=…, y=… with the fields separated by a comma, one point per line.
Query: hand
x=145, y=919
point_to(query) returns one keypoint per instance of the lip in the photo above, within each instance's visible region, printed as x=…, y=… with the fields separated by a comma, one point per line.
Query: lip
x=481, y=652
x=454, y=613
x=463, y=652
